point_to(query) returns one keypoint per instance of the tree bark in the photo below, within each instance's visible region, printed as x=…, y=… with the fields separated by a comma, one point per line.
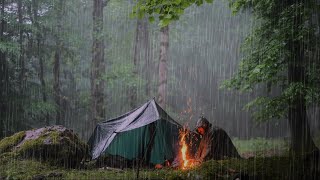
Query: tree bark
x=56, y=84
x=141, y=44
x=97, y=65
x=22, y=85
x=137, y=50
x=42, y=81
x=21, y=54
x=3, y=75
x=163, y=59
x=39, y=56
x=56, y=64
x=147, y=56
x=301, y=140
x=318, y=53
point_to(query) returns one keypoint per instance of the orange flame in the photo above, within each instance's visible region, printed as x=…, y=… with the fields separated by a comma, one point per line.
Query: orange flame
x=183, y=133
x=186, y=162
x=184, y=150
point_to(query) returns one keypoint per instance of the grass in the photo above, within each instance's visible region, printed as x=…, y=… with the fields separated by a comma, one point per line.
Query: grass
x=31, y=169
x=261, y=147
x=259, y=167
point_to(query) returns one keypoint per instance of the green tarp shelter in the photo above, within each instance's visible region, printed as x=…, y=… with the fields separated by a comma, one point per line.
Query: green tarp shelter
x=147, y=133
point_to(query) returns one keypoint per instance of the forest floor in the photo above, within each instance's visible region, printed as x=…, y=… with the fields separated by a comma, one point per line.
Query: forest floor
x=264, y=159
x=261, y=147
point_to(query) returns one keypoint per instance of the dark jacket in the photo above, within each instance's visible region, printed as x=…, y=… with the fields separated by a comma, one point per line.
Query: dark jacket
x=215, y=144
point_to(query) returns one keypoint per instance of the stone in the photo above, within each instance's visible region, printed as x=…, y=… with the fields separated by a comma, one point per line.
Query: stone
x=54, y=144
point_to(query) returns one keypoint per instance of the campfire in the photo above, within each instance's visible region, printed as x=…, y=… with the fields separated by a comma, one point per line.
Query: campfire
x=186, y=161
x=184, y=149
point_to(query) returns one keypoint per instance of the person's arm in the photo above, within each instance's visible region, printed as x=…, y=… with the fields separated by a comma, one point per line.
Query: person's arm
x=206, y=150
x=198, y=155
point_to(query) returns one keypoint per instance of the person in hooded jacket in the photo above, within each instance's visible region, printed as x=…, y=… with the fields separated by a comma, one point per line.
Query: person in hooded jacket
x=214, y=144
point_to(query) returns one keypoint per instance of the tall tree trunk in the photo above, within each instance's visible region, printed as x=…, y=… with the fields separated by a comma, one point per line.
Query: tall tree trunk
x=97, y=65
x=18, y=125
x=147, y=56
x=21, y=55
x=42, y=80
x=163, y=60
x=39, y=56
x=3, y=75
x=74, y=95
x=57, y=62
x=301, y=140
x=137, y=52
x=141, y=44
x=56, y=83
x=317, y=55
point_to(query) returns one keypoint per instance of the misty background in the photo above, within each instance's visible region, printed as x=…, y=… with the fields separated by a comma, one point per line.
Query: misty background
x=204, y=50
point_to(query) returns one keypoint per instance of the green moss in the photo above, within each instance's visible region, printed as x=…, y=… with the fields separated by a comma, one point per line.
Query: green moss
x=63, y=149
x=8, y=156
x=25, y=169
x=30, y=145
x=7, y=143
x=255, y=168
x=54, y=147
x=54, y=135
x=38, y=143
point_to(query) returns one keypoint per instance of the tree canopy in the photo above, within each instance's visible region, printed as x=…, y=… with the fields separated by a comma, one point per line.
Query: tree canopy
x=165, y=10
x=267, y=54
x=281, y=52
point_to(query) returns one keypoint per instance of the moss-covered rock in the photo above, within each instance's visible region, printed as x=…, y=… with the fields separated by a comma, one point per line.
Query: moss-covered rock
x=55, y=144
x=8, y=143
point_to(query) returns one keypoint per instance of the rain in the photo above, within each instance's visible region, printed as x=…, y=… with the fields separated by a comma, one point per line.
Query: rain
x=114, y=89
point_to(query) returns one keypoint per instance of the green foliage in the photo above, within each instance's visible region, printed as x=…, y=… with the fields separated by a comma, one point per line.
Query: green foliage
x=24, y=98
x=122, y=73
x=167, y=10
x=277, y=107
x=265, y=108
x=10, y=47
x=39, y=109
x=267, y=56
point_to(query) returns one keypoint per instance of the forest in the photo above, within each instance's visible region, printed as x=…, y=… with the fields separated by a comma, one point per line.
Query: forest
x=79, y=78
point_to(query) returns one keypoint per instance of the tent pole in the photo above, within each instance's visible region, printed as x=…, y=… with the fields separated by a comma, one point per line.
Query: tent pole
x=140, y=160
